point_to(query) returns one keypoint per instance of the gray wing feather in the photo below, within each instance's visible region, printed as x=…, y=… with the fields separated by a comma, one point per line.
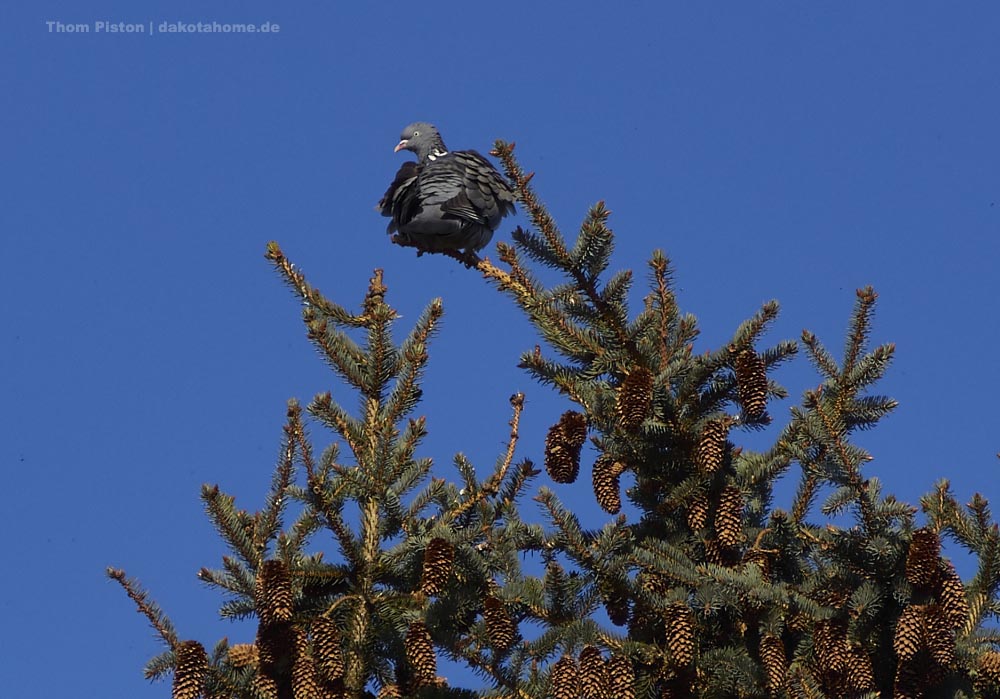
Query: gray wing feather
x=457, y=199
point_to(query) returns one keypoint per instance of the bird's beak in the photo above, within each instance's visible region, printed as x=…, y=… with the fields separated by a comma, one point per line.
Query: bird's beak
x=400, y=146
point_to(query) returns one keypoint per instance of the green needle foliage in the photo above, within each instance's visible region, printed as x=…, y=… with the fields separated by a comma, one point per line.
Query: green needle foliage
x=362, y=570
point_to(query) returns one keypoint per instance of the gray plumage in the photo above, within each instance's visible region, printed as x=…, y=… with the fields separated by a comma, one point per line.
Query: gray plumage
x=447, y=200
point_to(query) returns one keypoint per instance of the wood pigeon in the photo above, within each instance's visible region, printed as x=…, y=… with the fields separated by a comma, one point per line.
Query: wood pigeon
x=446, y=200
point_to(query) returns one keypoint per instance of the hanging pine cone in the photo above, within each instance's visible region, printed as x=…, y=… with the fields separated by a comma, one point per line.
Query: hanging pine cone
x=910, y=680
x=654, y=582
x=835, y=596
x=328, y=649
x=621, y=677
x=939, y=635
x=389, y=691
x=189, y=671
x=679, y=623
x=616, y=605
x=607, y=489
x=438, y=558
x=922, y=559
x=751, y=381
x=593, y=674
x=264, y=687
x=305, y=684
x=562, y=447
x=275, y=648
x=697, y=511
x=860, y=673
x=499, y=626
x=830, y=645
x=729, y=517
x=243, y=654
x=761, y=559
x=772, y=657
x=574, y=427
x=273, y=593
x=643, y=619
x=635, y=398
x=712, y=445
x=989, y=667
x=909, y=636
x=715, y=552
x=951, y=594
x=564, y=679
x=420, y=654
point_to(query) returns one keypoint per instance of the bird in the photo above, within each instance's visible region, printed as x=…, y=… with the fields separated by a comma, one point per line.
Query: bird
x=446, y=201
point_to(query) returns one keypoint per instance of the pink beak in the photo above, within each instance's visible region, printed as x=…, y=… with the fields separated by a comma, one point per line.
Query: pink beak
x=400, y=146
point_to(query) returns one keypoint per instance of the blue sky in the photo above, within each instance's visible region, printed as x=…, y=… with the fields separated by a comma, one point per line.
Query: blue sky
x=793, y=151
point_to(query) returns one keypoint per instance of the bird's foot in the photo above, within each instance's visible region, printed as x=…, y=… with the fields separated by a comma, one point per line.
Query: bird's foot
x=469, y=258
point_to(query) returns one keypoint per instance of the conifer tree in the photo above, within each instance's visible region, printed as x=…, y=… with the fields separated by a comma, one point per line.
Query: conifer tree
x=695, y=584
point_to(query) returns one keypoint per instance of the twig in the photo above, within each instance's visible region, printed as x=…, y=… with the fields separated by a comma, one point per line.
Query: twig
x=492, y=486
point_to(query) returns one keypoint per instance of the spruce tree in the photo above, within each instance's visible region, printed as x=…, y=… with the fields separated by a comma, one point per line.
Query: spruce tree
x=695, y=584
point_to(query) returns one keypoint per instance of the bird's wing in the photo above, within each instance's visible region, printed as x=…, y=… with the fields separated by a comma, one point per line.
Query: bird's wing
x=468, y=187
x=402, y=200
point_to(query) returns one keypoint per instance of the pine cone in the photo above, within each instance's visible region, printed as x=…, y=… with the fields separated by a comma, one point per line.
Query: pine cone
x=635, y=398
x=952, y=595
x=715, y=552
x=830, y=645
x=574, y=426
x=243, y=654
x=420, y=654
x=328, y=649
x=751, y=381
x=593, y=674
x=697, y=511
x=652, y=581
x=909, y=638
x=835, y=596
x=621, y=677
x=909, y=681
x=273, y=593
x=389, y=691
x=772, y=657
x=616, y=604
x=275, y=648
x=438, y=559
x=729, y=517
x=939, y=635
x=607, y=490
x=679, y=623
x=761, y=559
x=989, y=667
x=712, y=445
x=305, y=685
x=264, y=687
x=499, y=626
x=562, y=447
x=564, y=679
x=647, y=612
x=860, y=673
x=189, y=671
x=922, y=559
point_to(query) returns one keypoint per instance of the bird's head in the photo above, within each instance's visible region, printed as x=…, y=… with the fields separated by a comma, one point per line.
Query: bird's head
x=423, y=139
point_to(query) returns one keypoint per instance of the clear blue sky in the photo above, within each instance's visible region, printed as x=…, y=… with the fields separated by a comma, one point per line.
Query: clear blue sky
x=774, y=150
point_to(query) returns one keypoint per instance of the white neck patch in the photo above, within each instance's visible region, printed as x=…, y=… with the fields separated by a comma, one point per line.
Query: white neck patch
x=436, y=153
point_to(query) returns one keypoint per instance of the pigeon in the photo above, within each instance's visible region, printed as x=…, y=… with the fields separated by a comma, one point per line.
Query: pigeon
x=446, y=201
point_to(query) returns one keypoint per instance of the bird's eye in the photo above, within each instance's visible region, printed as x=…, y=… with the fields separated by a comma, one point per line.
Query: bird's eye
x=416, y=133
